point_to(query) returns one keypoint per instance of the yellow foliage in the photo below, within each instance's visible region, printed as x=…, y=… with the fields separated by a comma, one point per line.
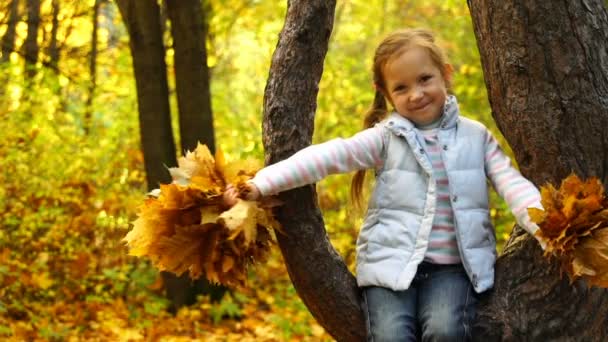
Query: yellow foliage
x=574, y=225
x=187, y=229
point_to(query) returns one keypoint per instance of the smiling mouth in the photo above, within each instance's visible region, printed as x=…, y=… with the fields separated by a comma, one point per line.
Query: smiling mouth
x=420, y=107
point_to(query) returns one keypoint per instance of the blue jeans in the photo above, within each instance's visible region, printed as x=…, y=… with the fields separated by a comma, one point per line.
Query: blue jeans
x=438, y=306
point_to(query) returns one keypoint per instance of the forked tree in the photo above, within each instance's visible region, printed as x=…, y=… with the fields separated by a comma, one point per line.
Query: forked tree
x=546, y=71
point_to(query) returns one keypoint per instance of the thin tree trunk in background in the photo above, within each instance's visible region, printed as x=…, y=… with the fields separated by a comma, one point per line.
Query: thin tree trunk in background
x=8, y=46
x=53, y=49
x=142, y=18
x=88, y=115
x=188, y=30
x=30, y=45
x=546, y=69
x=8, y=40
x=191, y=73
x=317, y=271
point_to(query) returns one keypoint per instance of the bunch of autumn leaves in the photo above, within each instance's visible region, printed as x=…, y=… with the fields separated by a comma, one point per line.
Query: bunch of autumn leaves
x=574, y=225
x=185, y=226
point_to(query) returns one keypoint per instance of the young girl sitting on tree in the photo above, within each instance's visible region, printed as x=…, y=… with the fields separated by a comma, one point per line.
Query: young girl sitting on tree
x=427, y=246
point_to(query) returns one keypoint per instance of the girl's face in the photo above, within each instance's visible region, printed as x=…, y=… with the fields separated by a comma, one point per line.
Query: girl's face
x=415, y=86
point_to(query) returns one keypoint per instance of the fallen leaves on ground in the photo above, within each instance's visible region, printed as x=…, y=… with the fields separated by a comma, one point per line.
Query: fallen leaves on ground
x=266, y=311
x=574, y=225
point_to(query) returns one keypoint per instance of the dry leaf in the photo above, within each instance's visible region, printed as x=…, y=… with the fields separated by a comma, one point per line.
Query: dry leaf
x=241, y=219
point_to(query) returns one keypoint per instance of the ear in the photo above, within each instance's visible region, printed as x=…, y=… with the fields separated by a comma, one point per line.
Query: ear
x=448, y=71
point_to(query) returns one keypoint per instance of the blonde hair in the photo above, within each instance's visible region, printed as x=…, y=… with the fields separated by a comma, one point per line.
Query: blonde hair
x=391, y=47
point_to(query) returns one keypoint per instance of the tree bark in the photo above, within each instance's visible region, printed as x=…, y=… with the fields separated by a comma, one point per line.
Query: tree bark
x=8, y=40
x=53, y=49
x=317, y=271
x=31, y=40
x=7, y=47
x=546, y=70
x=191, y=73
x=88, y=115
x=188, y=29
x=142, y=18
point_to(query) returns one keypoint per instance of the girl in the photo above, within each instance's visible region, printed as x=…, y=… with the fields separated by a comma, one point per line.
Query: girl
x=427, y=247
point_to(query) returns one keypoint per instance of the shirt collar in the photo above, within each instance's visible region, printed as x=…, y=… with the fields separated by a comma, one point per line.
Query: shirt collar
x=449, y=117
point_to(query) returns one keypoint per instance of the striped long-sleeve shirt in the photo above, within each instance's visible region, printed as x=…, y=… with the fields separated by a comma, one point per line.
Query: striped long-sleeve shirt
x=364, y=150
x=443, y=246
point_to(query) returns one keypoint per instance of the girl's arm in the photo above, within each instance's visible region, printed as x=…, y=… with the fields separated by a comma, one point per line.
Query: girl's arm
x=311, y=164
x=519, y=193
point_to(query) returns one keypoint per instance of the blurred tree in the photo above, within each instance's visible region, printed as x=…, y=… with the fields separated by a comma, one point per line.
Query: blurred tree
x=8, y=46
x=554, y=127
x=189, y=30
x=142, y=19
x=92, y=64
x=8, y=39
x=30, y=46
x=53, y=48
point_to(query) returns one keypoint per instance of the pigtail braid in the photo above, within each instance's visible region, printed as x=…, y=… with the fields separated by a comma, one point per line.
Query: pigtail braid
x=374, y=115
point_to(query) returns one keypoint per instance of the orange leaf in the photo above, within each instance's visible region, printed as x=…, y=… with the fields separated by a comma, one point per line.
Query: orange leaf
x=574, y=226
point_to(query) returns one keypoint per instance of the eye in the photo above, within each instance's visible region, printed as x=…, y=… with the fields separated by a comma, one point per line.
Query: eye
x=425, y=78
x=399, y=88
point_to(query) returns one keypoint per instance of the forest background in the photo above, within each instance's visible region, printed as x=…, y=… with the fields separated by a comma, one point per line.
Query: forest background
x=72, y=173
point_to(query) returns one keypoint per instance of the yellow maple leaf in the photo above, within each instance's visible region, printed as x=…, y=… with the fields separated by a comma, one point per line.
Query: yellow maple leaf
x=179, y=252
x=241, y=219
x=210, y=214
x=153, y=222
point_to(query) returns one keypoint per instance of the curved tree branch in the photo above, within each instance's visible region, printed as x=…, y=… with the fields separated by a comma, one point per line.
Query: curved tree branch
x=318, y=273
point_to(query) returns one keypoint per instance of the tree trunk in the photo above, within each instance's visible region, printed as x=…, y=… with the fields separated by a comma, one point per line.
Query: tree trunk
x=88, y=115
x=31, y=40
x=317, y=271
x=6, y=48
x=8, y=40
x=546, y=70
x=142, y=18
x=191, y=73
x=188, y=30
x=53, y=49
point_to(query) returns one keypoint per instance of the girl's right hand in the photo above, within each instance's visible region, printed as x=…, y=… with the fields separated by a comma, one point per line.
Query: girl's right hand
x=252, y=193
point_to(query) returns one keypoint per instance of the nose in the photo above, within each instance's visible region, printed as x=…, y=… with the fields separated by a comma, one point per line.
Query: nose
x=416, y=94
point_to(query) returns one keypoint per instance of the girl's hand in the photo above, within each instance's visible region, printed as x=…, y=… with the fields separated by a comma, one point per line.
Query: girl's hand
x=231, y=195
x=252, y=193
